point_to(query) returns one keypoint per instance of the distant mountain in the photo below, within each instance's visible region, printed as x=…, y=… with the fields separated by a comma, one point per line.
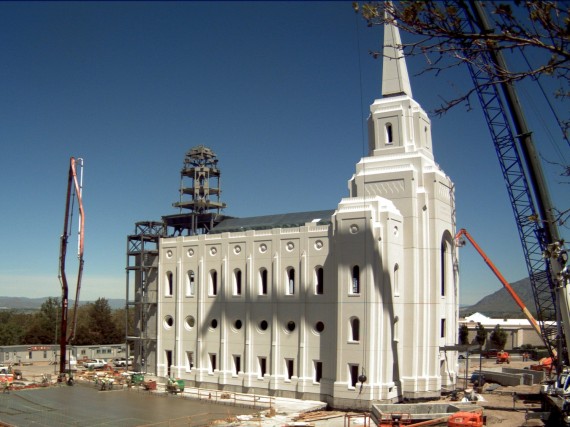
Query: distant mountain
x=501, y=305
x=23, y=303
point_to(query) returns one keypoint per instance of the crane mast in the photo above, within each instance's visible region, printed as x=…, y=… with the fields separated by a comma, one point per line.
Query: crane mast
x=74, y=188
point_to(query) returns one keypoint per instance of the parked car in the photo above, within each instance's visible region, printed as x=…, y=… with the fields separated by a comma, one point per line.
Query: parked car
x=491, y=353
x=94, y=364
x=122, y=362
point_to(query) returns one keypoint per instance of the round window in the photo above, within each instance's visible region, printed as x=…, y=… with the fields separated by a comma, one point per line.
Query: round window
x=214, y=324
x=190, y=322
x=238, y=324
x=168, y=322
x=320, y=327
x=263, y=325
x=290, y=326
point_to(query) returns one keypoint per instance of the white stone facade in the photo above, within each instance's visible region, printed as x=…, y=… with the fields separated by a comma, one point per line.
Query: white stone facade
x=351, y=311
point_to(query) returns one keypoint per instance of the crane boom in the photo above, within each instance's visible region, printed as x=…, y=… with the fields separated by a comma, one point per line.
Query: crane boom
x=497, y=273
x=72, y=185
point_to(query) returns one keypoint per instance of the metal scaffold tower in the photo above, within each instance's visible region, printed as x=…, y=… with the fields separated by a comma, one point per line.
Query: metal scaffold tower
x=142, y=293
x=199, y=194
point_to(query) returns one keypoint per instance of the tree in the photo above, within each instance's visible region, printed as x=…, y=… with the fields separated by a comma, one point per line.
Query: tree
x=498, y=337
x=463, y=334
x=481, y=336
x=44, y=324
x=97, y=325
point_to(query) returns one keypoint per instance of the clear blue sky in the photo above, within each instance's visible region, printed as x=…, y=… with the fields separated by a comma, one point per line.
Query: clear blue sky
x=279, y=91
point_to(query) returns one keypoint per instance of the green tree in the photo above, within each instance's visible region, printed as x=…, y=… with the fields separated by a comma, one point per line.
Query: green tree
x=44, y=324
x=97, y=325
x=498, y=337
x=12, y=327
x=481, y=336
x=463, y=334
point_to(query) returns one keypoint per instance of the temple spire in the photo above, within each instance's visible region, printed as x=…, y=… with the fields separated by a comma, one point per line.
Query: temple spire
x=395, y=80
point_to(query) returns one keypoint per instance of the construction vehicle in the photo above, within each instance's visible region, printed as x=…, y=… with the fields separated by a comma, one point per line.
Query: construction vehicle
x=74, y=191
x=503, y=357
x=544, y=251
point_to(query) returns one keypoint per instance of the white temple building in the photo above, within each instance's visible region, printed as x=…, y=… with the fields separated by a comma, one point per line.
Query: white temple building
x=349, y=306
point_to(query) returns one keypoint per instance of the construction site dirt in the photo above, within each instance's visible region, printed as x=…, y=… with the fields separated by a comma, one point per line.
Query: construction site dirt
x=84, y=404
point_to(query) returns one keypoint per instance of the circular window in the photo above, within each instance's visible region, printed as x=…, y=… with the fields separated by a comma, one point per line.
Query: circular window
x=214, y=324
x=290, y=246
x=318, y=245
x=290, y=326
x=263, y=325
x=263, y=248
x=190, y=252
x=169, y=254
x=320, y=327
x=168, y=322
x=396, y=231
x=354, y=228
x=190, y=322
x=237, y=249
x=213, y=251
x=237, y=324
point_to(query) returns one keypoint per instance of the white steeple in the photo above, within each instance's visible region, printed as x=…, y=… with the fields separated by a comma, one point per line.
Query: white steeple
x=395, y=80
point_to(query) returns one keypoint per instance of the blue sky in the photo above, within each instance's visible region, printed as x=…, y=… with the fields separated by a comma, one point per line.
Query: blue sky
x=280, y=91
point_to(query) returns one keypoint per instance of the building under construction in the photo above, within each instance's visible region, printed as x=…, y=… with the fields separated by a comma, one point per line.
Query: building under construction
x=352, y=304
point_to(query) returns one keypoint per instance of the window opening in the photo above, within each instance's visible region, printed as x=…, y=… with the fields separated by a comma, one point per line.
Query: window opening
x=442, y=328
x=262, y=366
x=353, y=371
x=291, y=281
x=237, y=282
x=318, y=371
x=213, y=283
x=389, y=134
x=289, y=365
x=355, y=328
x=263, y=280
x=356, y=279
x=191, y=283
x=169, y=284
x=237, y=364
x=320, y=285
x=213, y=366
x=190, y=360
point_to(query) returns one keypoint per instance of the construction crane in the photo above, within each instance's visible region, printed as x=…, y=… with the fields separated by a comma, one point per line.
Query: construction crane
x=542, y=246
x=459, y=242
x=74, y=191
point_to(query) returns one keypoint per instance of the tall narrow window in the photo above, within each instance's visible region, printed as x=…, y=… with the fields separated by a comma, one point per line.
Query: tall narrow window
x=389, y=135
x=237, y=364
x=319, y=276
x=213, y=361
x=191, y=284
x=168, y=354
x=213, y=282
x=318, y=371
x=237, y=282
x=290, y=281
x=262, y=366
x=263, y=281
x=396, y=280
x=442, y=333
x=289, y=365
x=355, y=329
x=356, y=279
x=353, y=372
x=189, y=360
x=169, y=284
x=443, y=266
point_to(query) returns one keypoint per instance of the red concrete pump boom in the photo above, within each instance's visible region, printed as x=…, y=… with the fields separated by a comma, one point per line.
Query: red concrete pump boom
x=497, y=273
x=73, y=186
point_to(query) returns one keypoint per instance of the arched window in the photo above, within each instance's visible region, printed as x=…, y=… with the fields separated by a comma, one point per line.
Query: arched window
x=356, y=279
x=444, y=267
x=319, y=281
x=354, y=329
x=169, y=284
x=213, y=283
x=290, y=281
x=396, y=280
x=237, y=281
x=191, y=284
x=389, y=134
x=263, y=281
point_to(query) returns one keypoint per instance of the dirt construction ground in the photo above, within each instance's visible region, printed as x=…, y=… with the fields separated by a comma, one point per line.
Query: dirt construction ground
x=500, y=408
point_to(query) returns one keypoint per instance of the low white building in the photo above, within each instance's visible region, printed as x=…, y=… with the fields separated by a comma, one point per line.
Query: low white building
x=350, y=306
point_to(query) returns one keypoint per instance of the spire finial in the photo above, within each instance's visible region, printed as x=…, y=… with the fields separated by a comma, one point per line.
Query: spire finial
x=395, y=80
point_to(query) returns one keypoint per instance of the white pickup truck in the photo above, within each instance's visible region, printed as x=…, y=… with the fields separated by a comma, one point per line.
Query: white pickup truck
x=122, y=362
x=94, y=364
